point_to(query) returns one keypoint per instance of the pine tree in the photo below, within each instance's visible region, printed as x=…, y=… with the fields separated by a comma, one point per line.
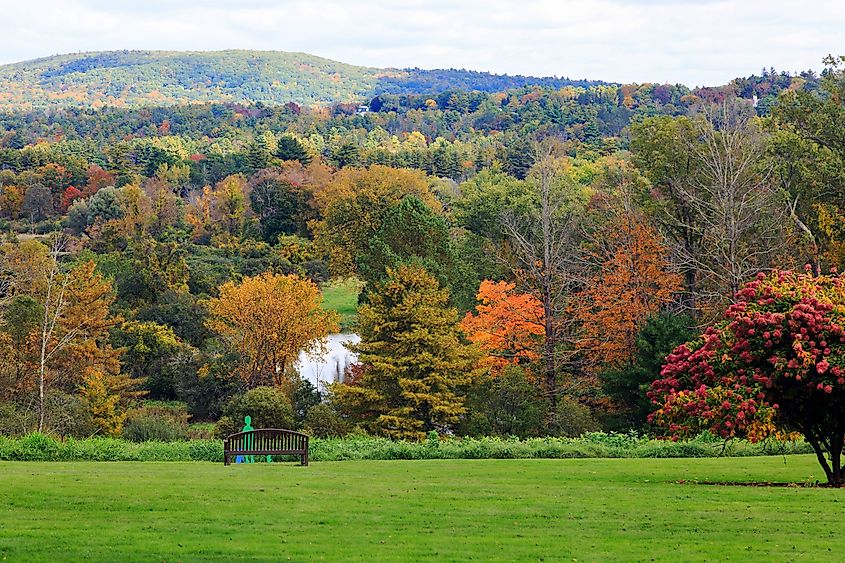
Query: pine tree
x=415, y=363
x=290, y=148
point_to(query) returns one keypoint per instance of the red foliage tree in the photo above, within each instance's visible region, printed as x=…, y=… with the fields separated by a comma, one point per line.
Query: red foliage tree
x=775, y=363
x=97, y=180
x=68, y=196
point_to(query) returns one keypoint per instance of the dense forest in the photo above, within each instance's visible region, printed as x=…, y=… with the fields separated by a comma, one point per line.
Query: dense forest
x=527, y=251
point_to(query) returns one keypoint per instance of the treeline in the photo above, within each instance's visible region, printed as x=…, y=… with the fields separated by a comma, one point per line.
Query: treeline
x=536, y=292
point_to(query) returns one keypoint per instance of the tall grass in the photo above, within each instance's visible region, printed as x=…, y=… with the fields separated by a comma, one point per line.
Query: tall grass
x=38, y=447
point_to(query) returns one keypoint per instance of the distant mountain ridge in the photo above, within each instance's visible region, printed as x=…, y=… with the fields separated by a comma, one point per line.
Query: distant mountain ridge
x=156, y=78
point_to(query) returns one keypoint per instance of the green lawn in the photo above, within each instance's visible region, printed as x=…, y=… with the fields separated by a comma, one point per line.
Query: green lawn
x=590, y=509
x=342, y=296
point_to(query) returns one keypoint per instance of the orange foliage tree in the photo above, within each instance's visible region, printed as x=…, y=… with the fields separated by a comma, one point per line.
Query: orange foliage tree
x=268, y=320
x=630, y=283
x=507, y=326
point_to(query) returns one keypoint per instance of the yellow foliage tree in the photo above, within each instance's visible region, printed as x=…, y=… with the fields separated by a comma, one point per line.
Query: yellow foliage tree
x=414, y=363
x=269, y=319
x=106, y=395
x=354, y=206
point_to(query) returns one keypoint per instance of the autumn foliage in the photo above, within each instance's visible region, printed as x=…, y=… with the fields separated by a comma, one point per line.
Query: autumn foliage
x=631, y=284
x=508, y=326
x=776, y=363
x=414, y=365
x=269, y=319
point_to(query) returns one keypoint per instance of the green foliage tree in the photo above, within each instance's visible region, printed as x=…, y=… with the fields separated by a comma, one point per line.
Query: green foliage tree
x=269, y=407
x=412, y=232
x=104, y=206
x=289, y=147
x=282, y=208
x=154, y=354
x=506, y=405
x=628, y=386
x=808, y=157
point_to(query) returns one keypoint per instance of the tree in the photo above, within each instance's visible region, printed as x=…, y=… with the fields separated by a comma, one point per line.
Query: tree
x=508, y=326
x=346, y=154
x=229, y=204
x=627, y=386
x=68, y=196
x=354, y=206
x=543, y=244
x=415, y=364
x=281, y=206
x=104, y=206
x=411, y=232
x=631, y=282
x=775, y=362
x=269, y=319
x=268, y=407
x=37, y=203
x=520, y=156
x=72, y=337
x=506, y=405
x=107, y=395
x=219, y=213
x=289, y=147
x=808, y=158
x=713, y=197
x=152, y=354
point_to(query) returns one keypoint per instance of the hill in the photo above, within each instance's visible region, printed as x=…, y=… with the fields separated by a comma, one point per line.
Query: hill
x=156, y=78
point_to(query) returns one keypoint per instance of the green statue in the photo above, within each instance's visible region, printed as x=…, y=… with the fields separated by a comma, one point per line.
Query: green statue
x=248, y=440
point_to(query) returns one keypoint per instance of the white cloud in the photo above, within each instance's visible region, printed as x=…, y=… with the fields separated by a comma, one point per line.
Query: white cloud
x=693, y=42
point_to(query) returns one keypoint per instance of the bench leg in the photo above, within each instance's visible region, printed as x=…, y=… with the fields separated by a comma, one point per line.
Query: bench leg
x=226, y=459
x=304, y=458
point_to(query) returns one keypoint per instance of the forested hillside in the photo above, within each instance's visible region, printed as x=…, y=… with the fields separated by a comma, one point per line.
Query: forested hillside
x=154, y=78
x=526, y=257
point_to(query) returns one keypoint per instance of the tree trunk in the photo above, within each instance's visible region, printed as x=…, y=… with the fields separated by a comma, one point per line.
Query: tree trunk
x=832, y=467
x=549, y=354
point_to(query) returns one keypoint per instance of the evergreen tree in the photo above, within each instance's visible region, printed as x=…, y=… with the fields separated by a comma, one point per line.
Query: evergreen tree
x=290, y=148
x=415, y=365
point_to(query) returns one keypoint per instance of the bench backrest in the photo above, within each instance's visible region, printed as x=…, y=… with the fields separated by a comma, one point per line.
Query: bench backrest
x=268, y=439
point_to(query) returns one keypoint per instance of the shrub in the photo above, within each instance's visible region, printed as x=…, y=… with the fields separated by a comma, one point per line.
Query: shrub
x=572, y=419
x=322, y=421
x=507, y=405
x=67, y=415
x=38, y=447
x=201, y=431
x=305, y=397
x=16, y=421
x=269, y=408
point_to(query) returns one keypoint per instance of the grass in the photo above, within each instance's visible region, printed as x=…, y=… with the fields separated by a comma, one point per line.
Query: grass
x=342, y=296
x=585, y=509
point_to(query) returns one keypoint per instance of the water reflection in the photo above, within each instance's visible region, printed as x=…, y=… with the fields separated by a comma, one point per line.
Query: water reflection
x=331, y=366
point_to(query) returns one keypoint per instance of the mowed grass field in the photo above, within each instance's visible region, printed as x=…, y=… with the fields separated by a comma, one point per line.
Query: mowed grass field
x=552, y=510
x=342, y=296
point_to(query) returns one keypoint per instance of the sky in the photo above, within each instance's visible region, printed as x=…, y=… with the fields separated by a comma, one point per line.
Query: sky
x=701, y=42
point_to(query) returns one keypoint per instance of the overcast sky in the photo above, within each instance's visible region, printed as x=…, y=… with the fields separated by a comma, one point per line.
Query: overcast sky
x=692, y=42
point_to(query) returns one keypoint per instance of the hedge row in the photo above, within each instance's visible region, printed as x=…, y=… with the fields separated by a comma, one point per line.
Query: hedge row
x=38, y=447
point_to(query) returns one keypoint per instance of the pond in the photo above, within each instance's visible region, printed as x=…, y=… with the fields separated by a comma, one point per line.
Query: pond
x=328, y=367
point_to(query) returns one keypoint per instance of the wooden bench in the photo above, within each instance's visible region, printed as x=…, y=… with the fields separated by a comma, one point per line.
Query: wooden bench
x=266, y=441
